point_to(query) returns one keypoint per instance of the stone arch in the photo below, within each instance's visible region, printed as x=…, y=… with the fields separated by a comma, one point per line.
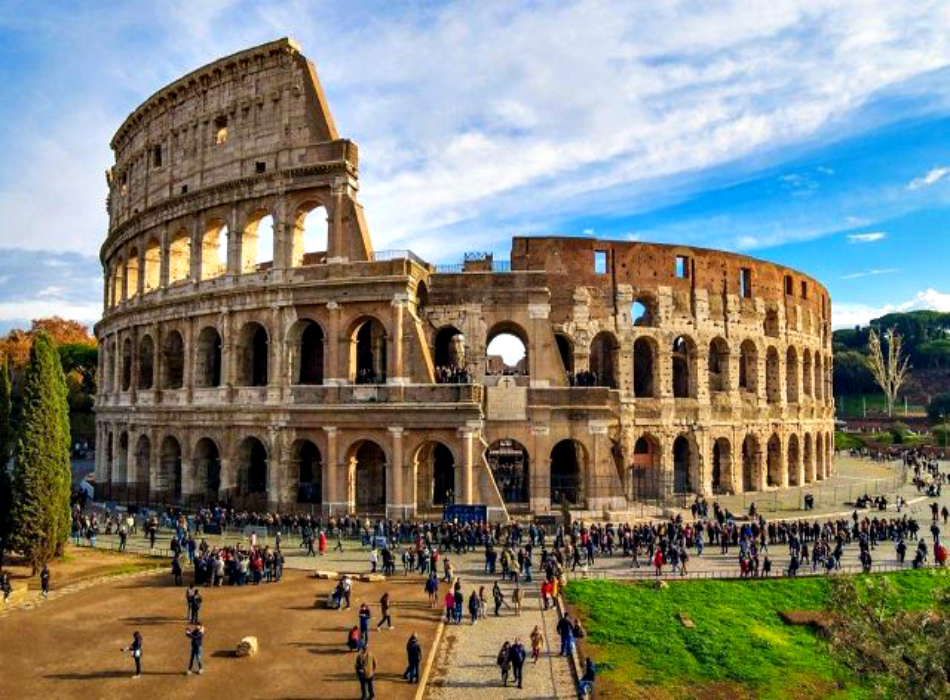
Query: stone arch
x=143, y=463
x=773, y=461
x=173, y=361
x=311, y=234
x=791, y=375
x=179, y=256
x=434, y=467
x=120, y=464
x=645, y=311
x=808, y=459
x=509, y=462
x=818, y=384
x=368, y=351
x=806, y=373
x=685, y=464
x=565, y=350
x=153, y=265
x=257, y=241
x=773, y=385
x=305, y=343
x=421, y=298
x=793, y=457
x=206, y=458
x=208, y=358
x=253, y=350
x=118, y=282
x=604, y=359
x=749, y=367
x=684, y=368
x=718, y=365
x=367, y=476
x=168, y=480
x=132, y=273
x=214, y=249
x=507, y=338
x=751, y=463
x=723, y=476
x=644, y=478
x=146, y=362
x=568, y=467
x=253, y=464
x=771, y=324
x=307, y=467
x=127, y=359
x=645, y=367
x=449, y=348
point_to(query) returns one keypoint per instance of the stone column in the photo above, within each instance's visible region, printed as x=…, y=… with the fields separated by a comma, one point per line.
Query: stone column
x=395, y=496
x=188, y=378
x=538, y=332
x=466, y=490
x=235, y=239
x=275, y=465
x=332, y=501
x=275, y=349
x=163, y=263
x=336, y=372
x=396, y=368
x=140, y=282
x=539, y=486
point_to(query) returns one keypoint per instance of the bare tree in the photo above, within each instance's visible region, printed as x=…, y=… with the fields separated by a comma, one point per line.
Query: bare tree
x=889, y=369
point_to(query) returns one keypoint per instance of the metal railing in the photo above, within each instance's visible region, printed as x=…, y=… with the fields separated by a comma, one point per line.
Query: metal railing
x=397, y=254
x=648, y=573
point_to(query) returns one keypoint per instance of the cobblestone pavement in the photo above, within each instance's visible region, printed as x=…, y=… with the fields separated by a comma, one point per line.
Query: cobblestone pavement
x=466, y=663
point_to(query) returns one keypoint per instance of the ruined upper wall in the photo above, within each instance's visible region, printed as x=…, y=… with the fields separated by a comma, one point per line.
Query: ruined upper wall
x=250, y=113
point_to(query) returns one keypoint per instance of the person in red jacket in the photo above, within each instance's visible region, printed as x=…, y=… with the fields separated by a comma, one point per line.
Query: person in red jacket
x=658, y=562
x=322, y=543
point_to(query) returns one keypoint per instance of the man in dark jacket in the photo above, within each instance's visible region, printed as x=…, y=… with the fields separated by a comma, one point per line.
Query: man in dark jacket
x=414, y=656
x=517, y=655
x=365, y=671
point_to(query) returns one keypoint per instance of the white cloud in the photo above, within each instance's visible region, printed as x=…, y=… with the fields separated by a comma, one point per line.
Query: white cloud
x=870, y=273
x=930, y=178
x=844, y=315
x=867, y=237
x=42, y=308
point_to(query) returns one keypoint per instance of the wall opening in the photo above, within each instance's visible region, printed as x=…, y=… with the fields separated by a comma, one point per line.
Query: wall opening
x=253, y=349
x=718, y=365
x=604, y=355
x=508, y=461
x=644, y=360
x=567, y=469
x=311, y=235
x=207, y=461
x=507, y=351
x=309, y=473
x=369, y=467
x=146, y=362
x=174, y=361
x=208, y=358
x=369, y=353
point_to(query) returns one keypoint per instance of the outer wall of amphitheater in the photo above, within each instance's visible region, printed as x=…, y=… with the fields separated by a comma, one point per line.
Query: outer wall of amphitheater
x=256, y=350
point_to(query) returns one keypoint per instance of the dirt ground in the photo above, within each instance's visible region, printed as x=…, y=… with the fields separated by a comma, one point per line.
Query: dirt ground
x=70, y=647
x=79, y=564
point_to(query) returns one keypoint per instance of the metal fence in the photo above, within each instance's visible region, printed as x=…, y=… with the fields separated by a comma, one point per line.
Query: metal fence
x=647, y=573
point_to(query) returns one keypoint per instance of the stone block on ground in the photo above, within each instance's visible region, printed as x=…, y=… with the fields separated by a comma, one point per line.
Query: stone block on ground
x=247, y=647
x=371, y=578
x=328, y=575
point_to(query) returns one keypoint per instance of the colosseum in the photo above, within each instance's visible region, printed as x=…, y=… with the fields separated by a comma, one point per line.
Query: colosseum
x=256, y=349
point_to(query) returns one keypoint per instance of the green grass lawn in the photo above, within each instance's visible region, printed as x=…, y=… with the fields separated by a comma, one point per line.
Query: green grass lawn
x=875, y=405
x=739, y=647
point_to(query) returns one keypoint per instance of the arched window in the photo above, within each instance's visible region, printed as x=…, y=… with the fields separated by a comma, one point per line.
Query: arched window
x=252, y=470
x=368, y=463
x=309, y=472
x=253, y=355
x=604, y=353
x=774, y=465
x=794, y=461
x=153, y=265
x=143, y=463
x=169, y=471
x=146, y=362
x=749, y=367
x=791, y=375
x=179, y=257
x=508, y=461
x=565, y=349
x=773, y=387
x=449, y=353
x=214, y=250
x=120, y=467
x=126, y=364
x=174, y=361
x=368, y=352
x=568, y=464
x=257, y=242
x=507, y=351
x=644, y=368
x=682, y=465
x=435, y=475
x=207, y=461
x=645, y=469
x=208, y=358
x=684, y=368
x=718, y=365
x=722, y=476
x=643, y=311
x=808, y=460
x=750, y=463
x=132, y=273
x=311, y=235
x=310, y=367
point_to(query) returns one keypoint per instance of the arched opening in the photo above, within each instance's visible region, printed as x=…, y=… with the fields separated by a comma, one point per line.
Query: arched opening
x=368, y=352
x=568, y=463
x=604, y=352
x=750, y=463
x=207, y=464
x=252, y=352
x=307, y=352
x=722, y=476
x=773, y=474
x=368, y=467
x=435, y=475
x=179, y=257
x=169, y=471
x=808, y=460
x=643, y=312
x=309, y=472
x=153, y=265
x=109, y=380
x=143, y=464
x=794, y=461
x=819, y=383
x=718, y=365
x=132, y=274
x=422, y=298
x=118, y=283
x=174, y=361
x=645, y=469
x=208, y=358
x=565, y=350
x=449, y=354
x=819, y=457
x=507, y=351
x=120, y=466
x=791, y=375
x=252, y=473
x=684, y=368
x=644, y=368
x=508, y=461
x=311, y=235
x=806, y=373
x=682, y=463
x=126, y=364
x=770, y=325
x=214, y=250
x=748, y=367
x=146, y=362
x=257, y=242
x=773, y=387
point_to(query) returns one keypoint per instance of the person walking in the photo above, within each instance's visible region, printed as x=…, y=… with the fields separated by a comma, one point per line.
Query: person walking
x=135, y=649
x=537, y=643
x=432, y=590
x=365, y=672
x=498, y=597
x=414, y=658
x=176, y=569
x=566, y=630
x=44, y=581
x=322, y=543
x=517, y=654
x=474, y=604
x=517, y=597
x=195, y=611
x=196, y=636
x=385, y=604
x=504, y=662
x=364, y=624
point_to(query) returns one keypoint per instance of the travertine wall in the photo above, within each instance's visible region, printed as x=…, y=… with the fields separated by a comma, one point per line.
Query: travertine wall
x=312, y=379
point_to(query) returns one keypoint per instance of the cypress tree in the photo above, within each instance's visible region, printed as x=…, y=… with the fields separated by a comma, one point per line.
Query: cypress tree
x=41, y=466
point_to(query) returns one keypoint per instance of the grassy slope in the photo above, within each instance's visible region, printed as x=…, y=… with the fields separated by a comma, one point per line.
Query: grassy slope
x=739, y=640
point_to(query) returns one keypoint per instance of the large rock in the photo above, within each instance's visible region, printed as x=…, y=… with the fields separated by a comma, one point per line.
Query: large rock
x=371, y=578
x=330, y=575
x=247, y=647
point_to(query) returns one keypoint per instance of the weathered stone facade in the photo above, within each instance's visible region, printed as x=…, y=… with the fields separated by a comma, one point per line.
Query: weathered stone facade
x=284, y=377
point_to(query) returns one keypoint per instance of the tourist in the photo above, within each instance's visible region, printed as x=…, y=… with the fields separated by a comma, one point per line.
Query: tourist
x=195, y=609
x=353, y=639
x=196, y=636
x=537, y=643
x=474, y=603
x=365, y=671
x=517, y=654
x=414, y=658
x=459, y=603
x=498, y=597
x=504, y=662
x=385, y=605
x=517, y=597
x=135, y=649
x=44, y=581
x=449, y=603
x=5, y=586
x=432, y=589
x=322, y=543
x=176, y=569
x=364, y=615
x=566, y=631
x=586, y=685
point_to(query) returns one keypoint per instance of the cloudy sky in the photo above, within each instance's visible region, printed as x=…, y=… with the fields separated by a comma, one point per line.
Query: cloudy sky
x=815, y=134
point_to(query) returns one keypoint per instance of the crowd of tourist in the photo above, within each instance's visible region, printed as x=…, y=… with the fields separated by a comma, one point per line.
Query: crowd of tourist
x=451, y=374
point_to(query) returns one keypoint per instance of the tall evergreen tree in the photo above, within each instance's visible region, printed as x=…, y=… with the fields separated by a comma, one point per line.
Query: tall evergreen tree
x=6, y=427
x=41, y=467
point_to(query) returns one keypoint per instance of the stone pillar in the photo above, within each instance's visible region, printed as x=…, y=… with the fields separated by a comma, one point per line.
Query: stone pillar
x=275, y=466
x=466, y=488
x=395, y=497
x=336, y=252
x=396, y=356
x=595, y=477
x=539, y=487
x=538, y=334
x=283, y=236
x=188, y=379
x=140, y=282
x=163, y=263
x=275, y=350
x=333, y=502
x=235, y=236
x=337, y=348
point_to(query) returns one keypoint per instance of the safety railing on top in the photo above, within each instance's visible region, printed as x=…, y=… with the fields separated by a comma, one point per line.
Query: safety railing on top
x=456, y=268
x=648, y=573
x=399, y=254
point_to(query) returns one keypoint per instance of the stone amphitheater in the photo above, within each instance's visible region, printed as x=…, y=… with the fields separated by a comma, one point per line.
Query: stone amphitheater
x=256, y=349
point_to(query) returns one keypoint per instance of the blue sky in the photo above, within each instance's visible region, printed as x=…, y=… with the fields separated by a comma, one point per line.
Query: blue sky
x=813, y=134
